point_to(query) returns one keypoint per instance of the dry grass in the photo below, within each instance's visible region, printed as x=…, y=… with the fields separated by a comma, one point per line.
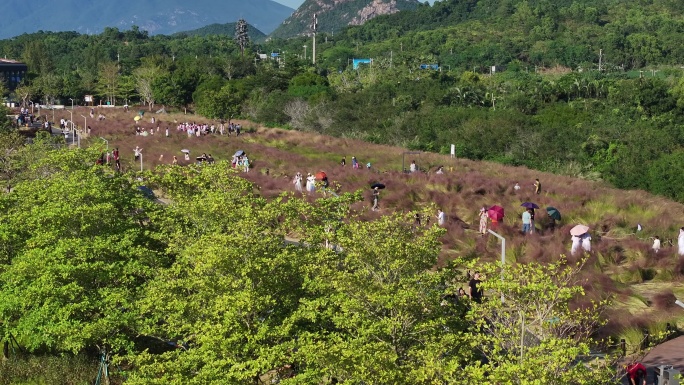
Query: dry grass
x=619, y=254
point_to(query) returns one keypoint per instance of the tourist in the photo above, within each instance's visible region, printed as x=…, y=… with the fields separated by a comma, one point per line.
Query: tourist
x=656, y=244
x=680, y=242
x=636, y=372
x=440, y=218
x=526, y=222
x=484, y=219
x=537, y=186
x=297, y=181
x=376, y=199
x=575, y=245
x=310, y=183
x=475, y=290
x=586, y=242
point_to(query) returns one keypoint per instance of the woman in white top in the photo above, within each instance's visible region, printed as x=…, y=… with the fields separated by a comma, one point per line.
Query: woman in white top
x=440, y=217
x=656, y=244
x=310, y=183
x=298, y=182
x=586, y=242
x=575, y=245
x=680, y=241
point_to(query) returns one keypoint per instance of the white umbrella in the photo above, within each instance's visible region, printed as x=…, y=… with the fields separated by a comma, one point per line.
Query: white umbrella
x=185, y=150
x=579, y=230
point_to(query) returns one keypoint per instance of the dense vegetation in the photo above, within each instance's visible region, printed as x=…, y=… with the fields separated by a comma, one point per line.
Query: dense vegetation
x=216, y=291
x=548, y=105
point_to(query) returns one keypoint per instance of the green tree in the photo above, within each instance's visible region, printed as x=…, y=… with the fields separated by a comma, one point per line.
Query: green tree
x=108, y=81
x=145, y=78
x=223, y=104
x=538, y=334
x=71, y=285
x=232, y=287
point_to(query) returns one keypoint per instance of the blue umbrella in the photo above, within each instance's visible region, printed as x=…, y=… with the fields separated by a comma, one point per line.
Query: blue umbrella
x=529, y=205
x=239, y=153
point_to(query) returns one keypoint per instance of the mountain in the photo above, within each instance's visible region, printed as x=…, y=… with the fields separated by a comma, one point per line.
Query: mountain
x=155, y=16
x=333, y=15
x=223, y=29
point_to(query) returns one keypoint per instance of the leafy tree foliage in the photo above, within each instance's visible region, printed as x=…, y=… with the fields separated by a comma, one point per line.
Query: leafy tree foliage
x=71, y=285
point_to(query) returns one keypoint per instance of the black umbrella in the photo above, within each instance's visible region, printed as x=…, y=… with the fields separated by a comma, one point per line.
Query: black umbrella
x=379, y=186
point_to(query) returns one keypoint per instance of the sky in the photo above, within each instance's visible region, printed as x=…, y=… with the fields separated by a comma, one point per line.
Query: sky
x=296, y=3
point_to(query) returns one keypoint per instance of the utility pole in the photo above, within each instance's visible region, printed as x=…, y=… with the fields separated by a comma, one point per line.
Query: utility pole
x=600, y=59
x=314, y=27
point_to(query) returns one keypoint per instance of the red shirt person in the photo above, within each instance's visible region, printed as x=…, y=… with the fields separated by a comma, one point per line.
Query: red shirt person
x=636, y=372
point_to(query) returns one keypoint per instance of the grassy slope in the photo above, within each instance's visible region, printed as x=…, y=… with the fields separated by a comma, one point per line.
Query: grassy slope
x=620, y=263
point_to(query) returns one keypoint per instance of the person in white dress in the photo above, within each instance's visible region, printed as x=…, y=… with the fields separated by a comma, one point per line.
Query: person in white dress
x=440, y=217
x=586, y=242
x=656, y=244
x=575, y=245
x=298, y=182
x=310, y=183
x=680, y=241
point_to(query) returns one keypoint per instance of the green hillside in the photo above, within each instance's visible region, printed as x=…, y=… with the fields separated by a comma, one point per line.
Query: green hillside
x=544, y=33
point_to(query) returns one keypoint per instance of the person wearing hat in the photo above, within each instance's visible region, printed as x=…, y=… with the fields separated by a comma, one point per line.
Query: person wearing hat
x=376, y=198
x=484, y=218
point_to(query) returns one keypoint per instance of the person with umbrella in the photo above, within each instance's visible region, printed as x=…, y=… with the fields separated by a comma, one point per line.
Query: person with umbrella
x=580, y=233
x=484, y=219
x=530, y=208
x=574, y=249
x=526, y=221
x=555, y=215
x=376, y=199
x=376, y=195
